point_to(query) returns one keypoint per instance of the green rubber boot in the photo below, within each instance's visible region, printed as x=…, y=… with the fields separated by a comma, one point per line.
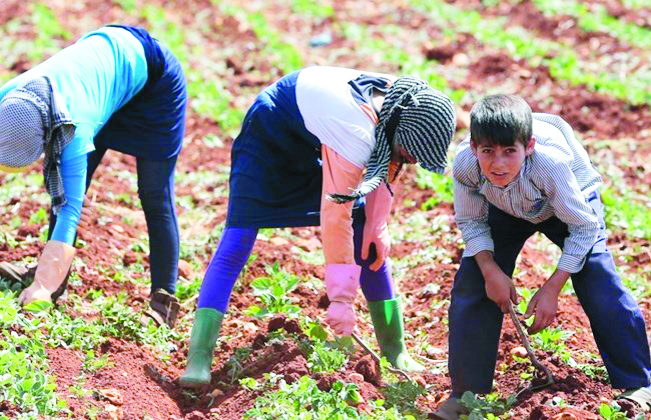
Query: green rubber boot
x=205, y=331
x=389, y=331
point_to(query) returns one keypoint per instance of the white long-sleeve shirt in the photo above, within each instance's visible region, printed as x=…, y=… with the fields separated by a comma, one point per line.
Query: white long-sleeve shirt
x=555, y=180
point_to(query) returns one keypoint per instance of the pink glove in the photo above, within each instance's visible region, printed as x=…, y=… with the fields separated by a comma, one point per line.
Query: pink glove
x=377, y=209
x=53, y=266
x=342, y=281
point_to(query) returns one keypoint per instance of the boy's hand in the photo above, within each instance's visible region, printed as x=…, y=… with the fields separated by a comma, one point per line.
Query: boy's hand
x=500, y=289
x=499, y=286
x=544, y=303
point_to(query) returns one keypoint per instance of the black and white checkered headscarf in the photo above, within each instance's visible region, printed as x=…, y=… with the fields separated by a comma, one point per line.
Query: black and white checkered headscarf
x=33, y=120
x=415, y=116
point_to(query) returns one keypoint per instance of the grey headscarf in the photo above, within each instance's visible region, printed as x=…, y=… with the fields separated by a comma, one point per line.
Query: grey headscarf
x=419, y=118
x=33, y=120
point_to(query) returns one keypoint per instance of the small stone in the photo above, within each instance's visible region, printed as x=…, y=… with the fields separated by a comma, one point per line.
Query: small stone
x=564, y=416
x=216, y=393
x=195, y=415
x=460, y=59
x=114, y=413
x=117, y=228
x=278, y=241
x=310, y=245
x=419, y=380
x=249, y=327
x=321, y=39
x=524, y=73
x=519, y=352
x=112, y=395
x=185, y=269
x=356, y=377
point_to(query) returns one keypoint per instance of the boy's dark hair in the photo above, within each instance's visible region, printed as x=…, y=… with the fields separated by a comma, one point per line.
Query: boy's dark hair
x=500, y=120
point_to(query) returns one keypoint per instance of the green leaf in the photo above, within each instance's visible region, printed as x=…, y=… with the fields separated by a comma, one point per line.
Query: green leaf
x=38, y=306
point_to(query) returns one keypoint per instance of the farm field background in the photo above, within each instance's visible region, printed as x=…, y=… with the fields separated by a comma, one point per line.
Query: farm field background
x=589, y=61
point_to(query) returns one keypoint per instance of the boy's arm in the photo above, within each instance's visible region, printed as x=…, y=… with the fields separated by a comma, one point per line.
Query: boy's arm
x=471, y=213
x=544, y=303
x=570, y=207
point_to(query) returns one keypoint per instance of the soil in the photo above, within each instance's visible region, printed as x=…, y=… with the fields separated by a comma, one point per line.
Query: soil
x=137, y=383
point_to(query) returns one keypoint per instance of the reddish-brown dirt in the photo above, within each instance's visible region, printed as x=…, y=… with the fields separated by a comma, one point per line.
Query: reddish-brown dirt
x=137, y=383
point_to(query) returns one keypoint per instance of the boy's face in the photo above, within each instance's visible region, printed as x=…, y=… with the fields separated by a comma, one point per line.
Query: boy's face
x=502, y=164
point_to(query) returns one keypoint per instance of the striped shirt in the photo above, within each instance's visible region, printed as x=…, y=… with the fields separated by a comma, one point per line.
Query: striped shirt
x=555, y=180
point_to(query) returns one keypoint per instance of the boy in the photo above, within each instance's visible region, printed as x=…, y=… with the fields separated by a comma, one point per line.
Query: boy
x=300, y=160
x=116, y=88
x=521, y=173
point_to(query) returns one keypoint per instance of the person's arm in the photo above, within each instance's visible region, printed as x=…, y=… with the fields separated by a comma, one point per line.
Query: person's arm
x=544, y=302
x=55, y=260
x=342, y=274
x=73, y=172
x=471, y=215
x=339, y=176
x=377, y=210
x=570, y=207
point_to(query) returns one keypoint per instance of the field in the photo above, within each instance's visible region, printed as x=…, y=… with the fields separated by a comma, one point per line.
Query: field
x=589, y=61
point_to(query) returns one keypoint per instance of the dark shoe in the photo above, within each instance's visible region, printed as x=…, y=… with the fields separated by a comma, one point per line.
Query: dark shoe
x=640, y=396
x=451, y=409
x=205, y=331
x=16, y=274
x=163, y=308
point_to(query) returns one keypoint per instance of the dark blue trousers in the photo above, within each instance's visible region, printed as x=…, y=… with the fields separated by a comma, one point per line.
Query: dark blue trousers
x=475, y=321
x=156, y=192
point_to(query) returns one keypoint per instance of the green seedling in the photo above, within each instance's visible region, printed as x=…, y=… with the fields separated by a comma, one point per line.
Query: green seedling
x=24, y=378
x=551, y=340
x=612, y=412
x=303, y=399
x=250, y=384
x=401, y=394
x=39, y=217
x=628, y=212
x=439, y=185
x=235, y=364
x=273, y=291
x=325, y=359
x=317, y=9
x=489, y=407
x=93, y=363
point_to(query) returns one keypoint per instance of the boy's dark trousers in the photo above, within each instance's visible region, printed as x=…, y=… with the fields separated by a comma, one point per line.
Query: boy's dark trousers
x=476, y=321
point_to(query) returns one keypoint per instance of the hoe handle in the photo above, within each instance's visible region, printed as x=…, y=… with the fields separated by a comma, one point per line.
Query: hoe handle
x=525, y=342
x=376, y=357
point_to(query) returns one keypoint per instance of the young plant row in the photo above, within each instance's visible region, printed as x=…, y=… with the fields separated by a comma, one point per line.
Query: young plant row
x=562, y=60
x=595, y=18
x=26, y=333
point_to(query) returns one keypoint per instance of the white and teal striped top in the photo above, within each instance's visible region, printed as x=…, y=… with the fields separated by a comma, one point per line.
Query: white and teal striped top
x=555, y=180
